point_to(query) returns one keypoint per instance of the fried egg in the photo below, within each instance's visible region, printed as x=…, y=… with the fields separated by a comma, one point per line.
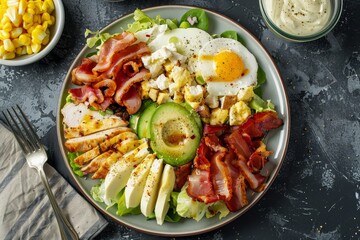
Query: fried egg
x=188, y=42
x=226, y=66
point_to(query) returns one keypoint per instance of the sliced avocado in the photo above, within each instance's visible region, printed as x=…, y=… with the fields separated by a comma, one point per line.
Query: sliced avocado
x=174, y=133
x=194, y=114
x=145, y=120
x=134, y=119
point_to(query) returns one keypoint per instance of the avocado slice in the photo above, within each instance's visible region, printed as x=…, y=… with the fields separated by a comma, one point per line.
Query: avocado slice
x=174, y=134
x=134, y=119
x=144, y=122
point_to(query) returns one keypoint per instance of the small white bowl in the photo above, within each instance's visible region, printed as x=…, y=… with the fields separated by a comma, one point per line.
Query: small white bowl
x=336, y=9
x=55, y=34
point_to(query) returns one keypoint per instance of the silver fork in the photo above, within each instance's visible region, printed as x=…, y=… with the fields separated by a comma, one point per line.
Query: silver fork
x=36, y=156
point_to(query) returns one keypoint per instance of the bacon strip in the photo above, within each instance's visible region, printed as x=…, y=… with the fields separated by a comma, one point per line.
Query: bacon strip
x=124, y=83
x=108, y=85
x=86, y=93
x=130, y=53
x=110, y=48
x=83, y=73
x=200, y=186
x=181, y=173
x=221, y=177
x=132, y=99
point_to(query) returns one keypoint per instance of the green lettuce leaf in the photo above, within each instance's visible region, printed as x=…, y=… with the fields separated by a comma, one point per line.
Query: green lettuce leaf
x=74, y=166
x=122, y=209
x=143, y=21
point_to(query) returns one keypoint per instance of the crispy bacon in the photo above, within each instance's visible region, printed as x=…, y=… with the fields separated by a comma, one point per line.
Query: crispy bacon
x=83, y=74
x=237, y=142
x=254, y=180
x=238, y=199
x=124, y=83
x=226, y=161
x=200, y=186
x=108, y=85
x=258, y=124
x=203, y=153
x=181, y=173
x=220, y=176
x=215, y=129
x=130, y=53
x=86, y=93
x=110, y=48
x=258, y=159
x=132, y=99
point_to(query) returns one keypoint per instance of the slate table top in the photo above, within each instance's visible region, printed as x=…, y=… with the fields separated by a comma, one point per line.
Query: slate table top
x=317, y=192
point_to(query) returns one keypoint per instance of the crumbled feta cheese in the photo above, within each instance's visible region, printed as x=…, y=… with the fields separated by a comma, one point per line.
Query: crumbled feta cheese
x=162, y=82
x=212, y=101
x=193, y=93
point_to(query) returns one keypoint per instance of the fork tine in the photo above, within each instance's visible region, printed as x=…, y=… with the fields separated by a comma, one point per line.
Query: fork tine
x=28, y=128
x=17, y=132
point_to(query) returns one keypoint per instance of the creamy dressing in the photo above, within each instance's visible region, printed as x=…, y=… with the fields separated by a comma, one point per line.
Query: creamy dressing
x=299, y=17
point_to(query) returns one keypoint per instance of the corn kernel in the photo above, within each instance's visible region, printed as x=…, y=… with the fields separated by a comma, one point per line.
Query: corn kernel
x=2, y=51
x=45, y=17
x=14, y=17
x=49, y=6
x=5, y=19
x=4, y=35
x=45, y=25
x=12, y=3
x=25, y=39
x=9, y=55
x=46, y=40
x=36, y=47
x=8, y=45
x=28, y=17
x=22, y=7
x=7, y=27
x=16, y=32
x=29, y=50
x=52, y=20
x=16, y=43
x=37, y=18
x=31, y=11
x=30, y=29
x=19, y=50
x=38, y=35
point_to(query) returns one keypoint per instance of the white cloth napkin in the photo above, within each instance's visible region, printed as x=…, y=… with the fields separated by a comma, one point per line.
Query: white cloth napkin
x=25, y=210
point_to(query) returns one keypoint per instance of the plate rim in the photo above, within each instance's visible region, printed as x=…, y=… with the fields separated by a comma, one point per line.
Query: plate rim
x=236, y=214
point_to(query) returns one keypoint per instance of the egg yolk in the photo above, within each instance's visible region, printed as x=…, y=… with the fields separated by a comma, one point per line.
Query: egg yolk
x=228, y=66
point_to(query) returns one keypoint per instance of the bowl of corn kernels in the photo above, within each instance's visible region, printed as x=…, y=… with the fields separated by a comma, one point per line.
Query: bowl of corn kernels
x=29, y=29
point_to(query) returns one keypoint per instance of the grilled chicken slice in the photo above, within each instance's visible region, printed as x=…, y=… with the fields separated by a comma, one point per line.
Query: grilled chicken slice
x=122, y=148
x=95, y=164
x=103, y=147
x=80, y=121
x=85, y=143
x=105, y=165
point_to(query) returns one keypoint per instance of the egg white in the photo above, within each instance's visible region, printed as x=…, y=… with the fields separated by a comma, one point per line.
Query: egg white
x=189, y=42
x=207, y=68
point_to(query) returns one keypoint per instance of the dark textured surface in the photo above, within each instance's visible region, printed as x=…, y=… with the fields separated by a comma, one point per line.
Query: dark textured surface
x=317, y=193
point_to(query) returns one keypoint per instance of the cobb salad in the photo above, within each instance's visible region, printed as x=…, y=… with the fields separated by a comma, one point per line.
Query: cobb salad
x=169, y=119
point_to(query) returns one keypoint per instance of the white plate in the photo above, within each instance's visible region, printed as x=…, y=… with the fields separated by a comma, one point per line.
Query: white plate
x=277, y=140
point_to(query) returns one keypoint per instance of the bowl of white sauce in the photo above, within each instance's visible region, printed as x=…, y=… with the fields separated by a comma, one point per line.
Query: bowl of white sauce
x=301, y=20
